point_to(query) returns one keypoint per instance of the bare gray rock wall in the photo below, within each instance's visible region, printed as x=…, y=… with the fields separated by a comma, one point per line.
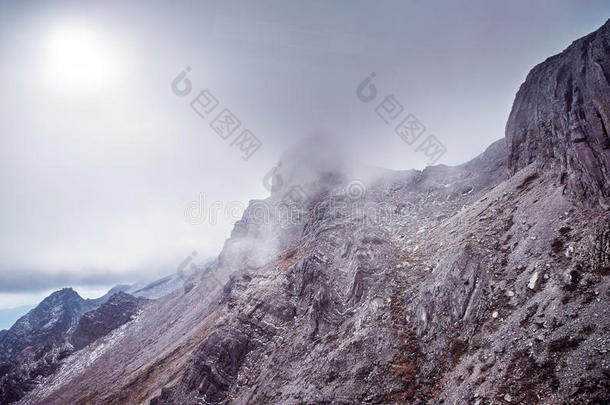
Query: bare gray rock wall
x=561, y=117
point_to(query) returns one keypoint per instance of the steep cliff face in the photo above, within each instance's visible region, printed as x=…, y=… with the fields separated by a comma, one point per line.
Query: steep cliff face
x=561, y=117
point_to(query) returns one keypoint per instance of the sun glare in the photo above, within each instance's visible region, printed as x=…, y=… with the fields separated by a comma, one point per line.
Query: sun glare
x=79, y=57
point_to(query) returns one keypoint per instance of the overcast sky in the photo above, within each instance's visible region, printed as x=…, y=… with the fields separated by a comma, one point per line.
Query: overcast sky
x=100, y=158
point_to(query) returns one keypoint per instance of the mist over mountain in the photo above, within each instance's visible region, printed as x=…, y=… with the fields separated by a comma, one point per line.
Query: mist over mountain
x=484, y=283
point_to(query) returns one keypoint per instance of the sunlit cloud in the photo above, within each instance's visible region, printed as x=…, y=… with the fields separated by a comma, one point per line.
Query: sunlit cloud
x=79, y=56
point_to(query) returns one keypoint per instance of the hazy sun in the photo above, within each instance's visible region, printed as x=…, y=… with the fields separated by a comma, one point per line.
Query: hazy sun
x=79, y=57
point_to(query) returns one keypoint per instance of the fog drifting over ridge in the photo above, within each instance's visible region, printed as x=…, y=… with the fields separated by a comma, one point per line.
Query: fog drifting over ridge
x=99, y=166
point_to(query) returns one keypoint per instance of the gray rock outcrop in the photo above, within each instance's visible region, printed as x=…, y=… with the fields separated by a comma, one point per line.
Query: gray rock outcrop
x=561, y=117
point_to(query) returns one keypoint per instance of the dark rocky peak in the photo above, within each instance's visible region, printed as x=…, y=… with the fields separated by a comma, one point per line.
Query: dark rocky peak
x=119, y=309
x=64, y=295
x=35, y=344
x=38, y=343
x=54, y=317
x=561, y=117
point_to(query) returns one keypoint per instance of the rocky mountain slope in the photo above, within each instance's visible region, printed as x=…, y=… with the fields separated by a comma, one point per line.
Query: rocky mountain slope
x=118, y=310
x=484, y=283
x=55, y=316
x=41, y=331
x=62, y=323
